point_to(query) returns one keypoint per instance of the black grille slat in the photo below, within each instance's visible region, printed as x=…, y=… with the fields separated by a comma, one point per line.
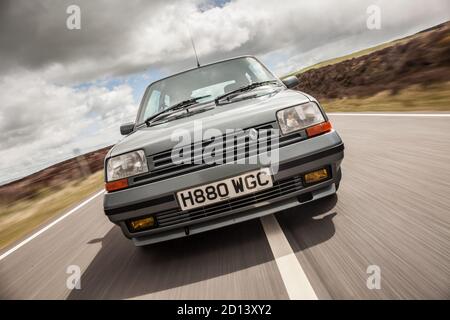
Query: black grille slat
x=162, y=156
x=166, y=154
x=242, y=144
x=164, y=168
x=226, y=159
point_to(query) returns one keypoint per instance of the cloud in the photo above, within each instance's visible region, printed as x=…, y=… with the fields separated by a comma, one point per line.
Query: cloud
x=119, y=37
x=43, y=122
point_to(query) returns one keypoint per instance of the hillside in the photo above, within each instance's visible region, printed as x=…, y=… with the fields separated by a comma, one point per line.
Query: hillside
x=53, y=177
x=419, y=60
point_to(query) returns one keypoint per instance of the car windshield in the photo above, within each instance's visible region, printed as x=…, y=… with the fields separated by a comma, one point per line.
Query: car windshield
x=210, y=81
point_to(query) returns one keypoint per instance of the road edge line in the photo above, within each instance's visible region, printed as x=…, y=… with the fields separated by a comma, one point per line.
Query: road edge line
x=24, y=242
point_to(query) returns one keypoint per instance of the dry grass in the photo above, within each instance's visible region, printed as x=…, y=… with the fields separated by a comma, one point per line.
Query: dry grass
x=435, y=97
x=346, y=57
x=22, y=217
x=354, y=54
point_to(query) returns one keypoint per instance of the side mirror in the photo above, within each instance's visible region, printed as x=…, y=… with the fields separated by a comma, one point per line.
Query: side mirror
x=291, y=82
x=127, y=128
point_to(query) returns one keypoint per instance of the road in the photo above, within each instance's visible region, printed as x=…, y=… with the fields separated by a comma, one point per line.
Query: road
x=392, y=211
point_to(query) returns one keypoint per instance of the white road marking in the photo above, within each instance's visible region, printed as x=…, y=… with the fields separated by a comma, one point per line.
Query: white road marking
x=7, y=253
x=363, y=114
x=294, y=278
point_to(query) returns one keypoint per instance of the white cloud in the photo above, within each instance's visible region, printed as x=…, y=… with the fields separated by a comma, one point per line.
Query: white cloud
x=43, y=122
x=118, y=37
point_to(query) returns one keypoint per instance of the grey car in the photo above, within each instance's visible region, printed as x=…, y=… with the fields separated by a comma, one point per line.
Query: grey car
x=217, y=145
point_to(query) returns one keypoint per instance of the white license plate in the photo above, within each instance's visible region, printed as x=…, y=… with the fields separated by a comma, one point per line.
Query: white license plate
x=234, y=187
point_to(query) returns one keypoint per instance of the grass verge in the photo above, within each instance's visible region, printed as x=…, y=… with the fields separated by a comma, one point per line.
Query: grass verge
x=22, y=217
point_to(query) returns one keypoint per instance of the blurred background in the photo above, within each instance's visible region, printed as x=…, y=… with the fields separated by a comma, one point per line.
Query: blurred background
x=72, y=71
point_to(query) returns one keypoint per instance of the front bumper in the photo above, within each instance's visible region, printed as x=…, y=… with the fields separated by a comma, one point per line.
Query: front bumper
x=159, y=197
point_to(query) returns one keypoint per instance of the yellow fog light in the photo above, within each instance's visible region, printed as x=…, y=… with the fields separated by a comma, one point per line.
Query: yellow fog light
x=142, y=224
x=316, y=176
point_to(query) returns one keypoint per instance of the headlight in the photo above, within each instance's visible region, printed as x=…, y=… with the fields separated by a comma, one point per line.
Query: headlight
x=126, y=165
x=299, y=117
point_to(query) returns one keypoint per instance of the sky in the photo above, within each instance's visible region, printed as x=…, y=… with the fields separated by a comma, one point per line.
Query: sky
x=65, y=91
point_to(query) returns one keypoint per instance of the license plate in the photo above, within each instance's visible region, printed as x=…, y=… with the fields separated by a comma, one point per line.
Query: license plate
x=234, y=187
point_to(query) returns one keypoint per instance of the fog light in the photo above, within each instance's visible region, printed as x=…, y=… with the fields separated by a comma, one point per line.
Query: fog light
x=142, y=224
x=316, y=176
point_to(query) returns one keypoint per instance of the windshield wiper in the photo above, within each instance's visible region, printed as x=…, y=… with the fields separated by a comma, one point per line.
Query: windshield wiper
x=249, y=87
x=181, y=105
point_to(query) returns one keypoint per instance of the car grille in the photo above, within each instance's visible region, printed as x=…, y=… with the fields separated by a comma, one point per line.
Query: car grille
x=164, y=168
x=280, y=188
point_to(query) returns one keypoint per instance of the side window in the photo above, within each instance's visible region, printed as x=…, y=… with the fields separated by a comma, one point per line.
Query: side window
x=153, y=104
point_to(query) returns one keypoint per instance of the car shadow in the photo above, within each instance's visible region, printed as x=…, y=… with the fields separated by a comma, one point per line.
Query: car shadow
x=310, y=224
x=120, y=270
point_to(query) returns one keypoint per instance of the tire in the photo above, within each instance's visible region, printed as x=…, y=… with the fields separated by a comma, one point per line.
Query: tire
x=340, y=177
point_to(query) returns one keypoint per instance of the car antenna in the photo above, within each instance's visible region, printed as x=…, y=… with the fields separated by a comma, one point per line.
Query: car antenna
x=193, y=47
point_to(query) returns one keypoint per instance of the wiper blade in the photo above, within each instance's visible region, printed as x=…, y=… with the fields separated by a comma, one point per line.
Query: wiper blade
x=181, y=105
x=249, y=87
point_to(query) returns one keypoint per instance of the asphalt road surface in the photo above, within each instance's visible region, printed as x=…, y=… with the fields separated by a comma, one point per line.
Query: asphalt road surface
x=392, y=212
